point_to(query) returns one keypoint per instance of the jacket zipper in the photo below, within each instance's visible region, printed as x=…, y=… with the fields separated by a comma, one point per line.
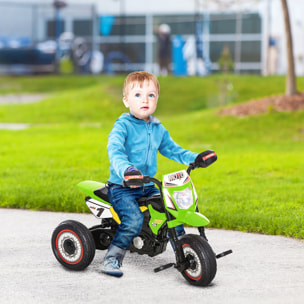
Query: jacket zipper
x=149, y=131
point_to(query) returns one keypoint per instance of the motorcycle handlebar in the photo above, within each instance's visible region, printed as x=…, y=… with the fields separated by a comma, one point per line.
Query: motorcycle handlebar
x=190, y=168
x=148, y=179
x=141, y=182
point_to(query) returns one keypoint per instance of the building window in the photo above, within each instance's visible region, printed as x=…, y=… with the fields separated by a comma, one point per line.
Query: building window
x=51, y=28
x=251, y=51
x=223, y=24
x=251, y=24
x=82, y=27
x=216, y=49
x=131, y=25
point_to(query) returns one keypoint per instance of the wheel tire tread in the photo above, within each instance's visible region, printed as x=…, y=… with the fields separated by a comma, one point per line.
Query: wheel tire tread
x=205, y=253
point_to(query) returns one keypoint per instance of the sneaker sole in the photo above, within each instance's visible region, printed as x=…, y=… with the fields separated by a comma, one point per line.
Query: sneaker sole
x=116, y=274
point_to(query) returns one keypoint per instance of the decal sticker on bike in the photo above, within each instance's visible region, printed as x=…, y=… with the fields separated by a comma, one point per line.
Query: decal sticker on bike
x=176, y=179
x=99, y=209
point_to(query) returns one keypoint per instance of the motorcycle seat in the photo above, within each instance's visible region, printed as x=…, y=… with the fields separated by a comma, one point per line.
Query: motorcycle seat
x=102, y=193
x=154, y=200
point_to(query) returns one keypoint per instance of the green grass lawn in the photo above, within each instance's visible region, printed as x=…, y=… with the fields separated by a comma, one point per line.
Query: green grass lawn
x=256, y=184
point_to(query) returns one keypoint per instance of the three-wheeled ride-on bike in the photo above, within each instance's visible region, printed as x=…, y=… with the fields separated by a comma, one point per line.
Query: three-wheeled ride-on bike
x=74, y=245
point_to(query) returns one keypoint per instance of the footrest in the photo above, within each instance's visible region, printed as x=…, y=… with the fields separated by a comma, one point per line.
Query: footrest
x=163, y=267
x=220, y=255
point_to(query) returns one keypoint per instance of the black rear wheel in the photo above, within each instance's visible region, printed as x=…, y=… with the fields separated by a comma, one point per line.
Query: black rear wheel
x=73, y=245
x=201, y=258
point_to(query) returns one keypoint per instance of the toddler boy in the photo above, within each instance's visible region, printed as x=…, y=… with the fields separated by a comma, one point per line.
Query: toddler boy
x=133, y=144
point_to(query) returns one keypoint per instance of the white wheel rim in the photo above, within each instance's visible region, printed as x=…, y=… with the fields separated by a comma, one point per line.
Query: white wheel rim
x=197, y=272
x=68, y=235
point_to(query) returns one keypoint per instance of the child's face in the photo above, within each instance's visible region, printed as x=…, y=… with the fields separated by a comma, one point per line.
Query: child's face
x=142, y=101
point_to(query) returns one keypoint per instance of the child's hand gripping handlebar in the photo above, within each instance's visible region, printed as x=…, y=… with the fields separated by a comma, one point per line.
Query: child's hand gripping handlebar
x=133, y=178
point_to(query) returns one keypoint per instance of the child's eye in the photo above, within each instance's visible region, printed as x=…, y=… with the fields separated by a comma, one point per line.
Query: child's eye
x=137, y=95
x=151, y=95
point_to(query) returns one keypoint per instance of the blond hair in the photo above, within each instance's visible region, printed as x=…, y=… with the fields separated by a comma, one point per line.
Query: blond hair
x=139, y=77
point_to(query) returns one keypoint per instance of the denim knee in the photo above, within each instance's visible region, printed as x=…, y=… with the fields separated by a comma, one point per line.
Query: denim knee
x=128, y=229
x=132, y=223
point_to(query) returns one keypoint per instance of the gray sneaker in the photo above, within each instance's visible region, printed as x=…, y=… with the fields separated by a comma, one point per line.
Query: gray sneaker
x=111, y=266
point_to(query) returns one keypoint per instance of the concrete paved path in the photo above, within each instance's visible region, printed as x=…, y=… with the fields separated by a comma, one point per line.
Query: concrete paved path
x=262, y=269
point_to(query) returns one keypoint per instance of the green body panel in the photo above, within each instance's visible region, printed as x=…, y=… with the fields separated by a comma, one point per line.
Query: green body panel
x=191, y=218
x=174, y=223
x=89, y=187
x=157, y=219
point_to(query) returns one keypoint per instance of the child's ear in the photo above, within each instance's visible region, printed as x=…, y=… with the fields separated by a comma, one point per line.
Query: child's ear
x=125, y=102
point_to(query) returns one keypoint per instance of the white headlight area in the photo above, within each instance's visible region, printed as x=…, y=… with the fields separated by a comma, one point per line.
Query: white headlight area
x=183, y=198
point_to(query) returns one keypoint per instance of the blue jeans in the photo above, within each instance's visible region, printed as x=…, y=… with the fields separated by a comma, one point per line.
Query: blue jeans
x=124, y=202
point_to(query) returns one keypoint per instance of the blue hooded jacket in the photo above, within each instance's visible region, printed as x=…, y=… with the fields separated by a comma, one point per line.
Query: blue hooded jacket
x=134, y=142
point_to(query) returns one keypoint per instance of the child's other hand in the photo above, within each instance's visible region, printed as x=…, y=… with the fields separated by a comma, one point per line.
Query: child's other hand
x=133, y=177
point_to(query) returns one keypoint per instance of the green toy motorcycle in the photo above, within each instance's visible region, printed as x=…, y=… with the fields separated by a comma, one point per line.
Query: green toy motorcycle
x=74, y=244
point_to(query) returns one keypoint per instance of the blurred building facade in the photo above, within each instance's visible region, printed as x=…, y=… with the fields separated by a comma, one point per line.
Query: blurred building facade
x=124, y=33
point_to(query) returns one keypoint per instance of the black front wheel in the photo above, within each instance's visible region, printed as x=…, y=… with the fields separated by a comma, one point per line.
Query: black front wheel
x=201, y=259
x=73, y=245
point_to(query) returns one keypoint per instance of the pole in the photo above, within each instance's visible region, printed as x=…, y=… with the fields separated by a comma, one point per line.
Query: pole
x=58, y=4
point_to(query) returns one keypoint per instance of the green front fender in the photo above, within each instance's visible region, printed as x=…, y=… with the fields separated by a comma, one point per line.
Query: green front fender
x=195, y=219
x=89, y=187
x=190, y=218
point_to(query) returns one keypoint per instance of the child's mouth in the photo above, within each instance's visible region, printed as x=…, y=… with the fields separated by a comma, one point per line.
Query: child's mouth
x=145, y=108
